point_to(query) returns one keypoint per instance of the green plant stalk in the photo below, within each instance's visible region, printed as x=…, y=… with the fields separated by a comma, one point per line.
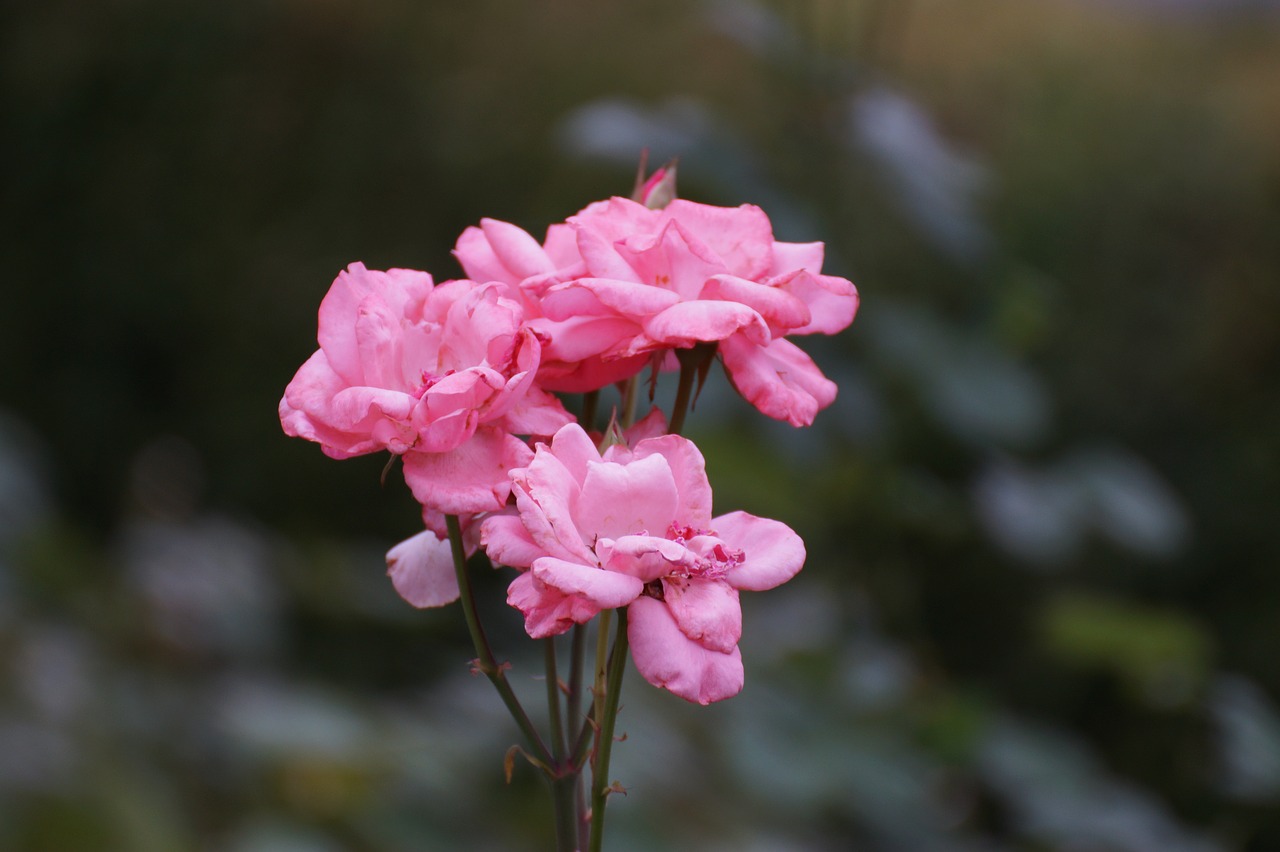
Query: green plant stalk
x=564, y=782
x=684, y=390
x=590, y=400
x=573, y=706
x=485, y=661
x=604, y=741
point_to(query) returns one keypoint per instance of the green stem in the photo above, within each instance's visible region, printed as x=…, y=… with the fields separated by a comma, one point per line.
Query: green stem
x=688, y=373
x=485, y=661
x=573, y=704
x=564, y=783
x=630, y=394
x=600, y=770
x=590, y=400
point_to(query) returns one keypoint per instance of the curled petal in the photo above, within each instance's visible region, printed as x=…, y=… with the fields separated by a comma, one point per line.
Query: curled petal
x=604, y=589
x=774, y=553
x=596, y=296
x=778, y=379
x=669, y=659
x=648, y=557
x=516, y=249
x=832, y=302
x=547, y=611
x=788, y=257
x=421, y=569
x=780, y=309
x=741, y=236
x=689, y=471
x=706, y=320
x=624, y=499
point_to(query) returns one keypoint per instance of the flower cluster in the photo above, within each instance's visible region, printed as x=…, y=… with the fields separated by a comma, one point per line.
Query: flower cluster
x=458, y=379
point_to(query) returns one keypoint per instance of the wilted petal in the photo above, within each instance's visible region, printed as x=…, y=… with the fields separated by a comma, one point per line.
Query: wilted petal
x=780, y=309
x=667, y=658
x=648, y=557
x=832, y=302
x=421, y=569
x=774, y=553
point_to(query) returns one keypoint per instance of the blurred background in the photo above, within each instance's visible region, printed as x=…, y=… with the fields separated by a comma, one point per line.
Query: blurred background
x=1040, y=609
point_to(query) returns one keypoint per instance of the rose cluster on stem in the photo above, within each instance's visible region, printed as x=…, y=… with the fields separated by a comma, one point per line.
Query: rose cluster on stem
x=459, y=380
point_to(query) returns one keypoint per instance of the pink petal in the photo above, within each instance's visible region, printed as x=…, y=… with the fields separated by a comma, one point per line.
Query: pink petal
x=780, y=309
x=832, y=302
x=741, y=236
x=707, y=611
x=667, y=658
x=774, y=553
x=516, y=250
x=340, y=307
x=604, y=589
x=547, y=611
x=478, y=259
x=589, y=374
x=689, y=471
x=778, y=379
x=672, y=259
x=647, y=557
x=621, y=500
x=537, y=413
x=507, y=542
x=472, y=478
x=421, y=569
x=597, y=296
x=706, y=320
x=788, y=257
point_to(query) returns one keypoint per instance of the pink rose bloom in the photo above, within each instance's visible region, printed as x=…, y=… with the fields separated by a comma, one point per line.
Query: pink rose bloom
x=441, y=375
x=633, y=527
x=692, y=273
x=500, y=251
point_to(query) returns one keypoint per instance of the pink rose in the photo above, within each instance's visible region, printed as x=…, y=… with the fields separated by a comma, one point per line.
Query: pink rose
x=633, y=527
x=502, y=252
x=691, y=273
x=441, y=375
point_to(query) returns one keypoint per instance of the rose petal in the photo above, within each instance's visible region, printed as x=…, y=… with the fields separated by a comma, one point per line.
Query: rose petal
x=774, y=553
x=669, y=659
x=778, y=379
x=421, y=569
x=472, y=478
x=507, y=542
x=604, y=589
x=707, y=611
x=622, y=500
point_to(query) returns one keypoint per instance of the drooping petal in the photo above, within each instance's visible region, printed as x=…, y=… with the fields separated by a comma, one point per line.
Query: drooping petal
x=596, y=296
x=788, y=257
x=547, y=611
x=774, y=553
x=832, y=301
x=516, y=249
x=537, y=413
x=778, y=379
x=604, y=589
x=472, y=478
x=421, y=569
x=669, y=659
x=707, y=611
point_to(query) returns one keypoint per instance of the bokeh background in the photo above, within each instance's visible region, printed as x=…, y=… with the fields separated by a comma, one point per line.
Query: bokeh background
x=1040, y=611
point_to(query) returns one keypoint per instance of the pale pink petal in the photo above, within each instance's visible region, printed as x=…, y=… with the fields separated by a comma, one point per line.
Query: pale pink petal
x=741, y=236
x=446, y=433
x=421, y=569
x=340, y=307
x=778, y=379
x=507, y=542
x=537, y=413
x=586, y=336
x=672, y=259
x=575, y=450
x=478, y=259
x=472, y=478
x=788, y=257
x=707, y=611
x=652, y=425
x=689, y=471
x=667, y=658
x=604, y=589
x=515, y=249
x=600, y=257
x=622, y=500
x=774, y=553
x=706, y=320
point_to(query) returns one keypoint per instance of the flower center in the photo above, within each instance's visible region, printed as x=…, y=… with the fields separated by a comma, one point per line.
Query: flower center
x=713, y=558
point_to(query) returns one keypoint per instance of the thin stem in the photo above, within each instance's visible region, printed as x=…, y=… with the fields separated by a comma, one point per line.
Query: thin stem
x=564, y=783
x=688, y=373
x=630, y=395
x=573, y=707
x=485, y=661
x=600, y=786
x=553, y=698
x=590, y=400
